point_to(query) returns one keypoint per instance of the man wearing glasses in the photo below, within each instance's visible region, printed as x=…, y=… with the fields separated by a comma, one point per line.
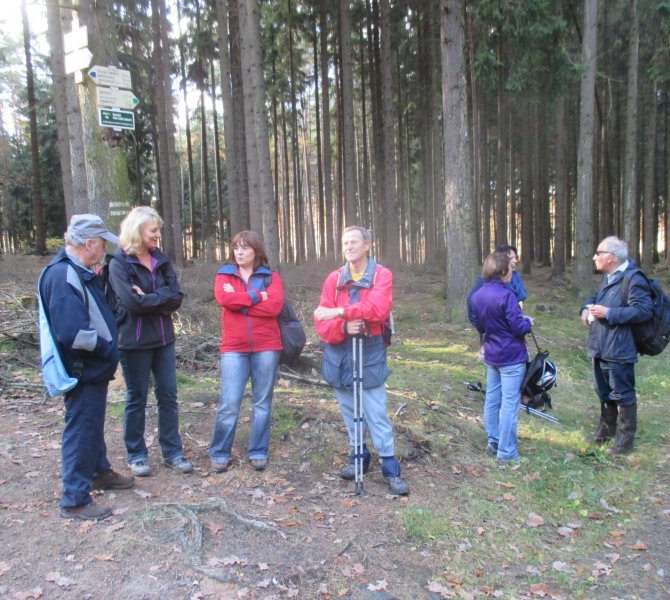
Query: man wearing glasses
x=611, y=346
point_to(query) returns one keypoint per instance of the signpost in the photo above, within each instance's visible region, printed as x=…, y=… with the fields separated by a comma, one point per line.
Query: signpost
x=78, y=60
x=111, y=76
x=75, y=39
x=116, y=118
x=116, y=98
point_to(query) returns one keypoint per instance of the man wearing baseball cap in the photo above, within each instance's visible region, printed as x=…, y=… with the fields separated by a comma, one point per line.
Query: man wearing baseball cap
x=83, y=328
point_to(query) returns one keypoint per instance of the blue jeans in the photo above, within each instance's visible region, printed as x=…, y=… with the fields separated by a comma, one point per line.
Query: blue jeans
x=376, y=421
x=137, y=365
x=236, y=369
x=501, y=408
x=83, y=451
x=614, y=382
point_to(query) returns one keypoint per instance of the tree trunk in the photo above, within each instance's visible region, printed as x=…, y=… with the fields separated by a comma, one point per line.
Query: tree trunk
x=584, y=243
x=332, y=247
x=189, y=144
x=392, y=242
x=38, y=203
x=560, y=220
x=261, y=195
x=57, y=62
x=105, y=160
x=649, y=216
x=460, y=229
x=234, y=162
x=349, y=193
x=631, y=220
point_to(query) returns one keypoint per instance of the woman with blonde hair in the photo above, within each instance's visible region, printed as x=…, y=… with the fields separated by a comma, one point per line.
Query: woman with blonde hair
x=147, y=293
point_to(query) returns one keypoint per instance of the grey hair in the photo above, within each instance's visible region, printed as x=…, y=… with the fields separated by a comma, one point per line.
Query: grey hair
x=366, y=233
x=72, y=238
x=617, y=247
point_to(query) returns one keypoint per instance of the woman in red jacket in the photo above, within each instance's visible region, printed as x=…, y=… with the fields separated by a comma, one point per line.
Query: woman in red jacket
x=251, y=296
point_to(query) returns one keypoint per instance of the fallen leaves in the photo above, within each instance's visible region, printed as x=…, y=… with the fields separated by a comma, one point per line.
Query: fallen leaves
x=58, y=579
x=380, y=586
x=534, y=520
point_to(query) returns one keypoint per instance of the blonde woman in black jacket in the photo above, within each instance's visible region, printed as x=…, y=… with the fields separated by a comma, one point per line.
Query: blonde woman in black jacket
x=148, y=292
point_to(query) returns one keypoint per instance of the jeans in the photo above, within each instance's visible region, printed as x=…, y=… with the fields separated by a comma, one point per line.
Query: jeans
x=376, y=421
x=501, y=408
x=236, y=369
x=614, y=382
x=137, y=365
x=83, y=451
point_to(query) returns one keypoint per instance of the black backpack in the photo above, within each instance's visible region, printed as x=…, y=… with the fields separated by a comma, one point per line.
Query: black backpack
x=541, y=375
x=652, y=336
x=292, y=332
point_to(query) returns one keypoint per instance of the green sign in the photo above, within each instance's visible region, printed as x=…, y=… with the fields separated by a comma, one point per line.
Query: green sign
x=116, y=118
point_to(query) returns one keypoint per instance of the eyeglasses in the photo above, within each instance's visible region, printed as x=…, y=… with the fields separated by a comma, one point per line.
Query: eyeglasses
x=599, y=252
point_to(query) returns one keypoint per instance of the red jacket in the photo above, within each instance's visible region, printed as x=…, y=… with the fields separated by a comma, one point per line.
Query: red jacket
x=374, y=306
x=249, y=324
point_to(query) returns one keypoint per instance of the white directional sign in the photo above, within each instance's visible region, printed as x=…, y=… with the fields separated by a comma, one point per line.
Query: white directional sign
x=116, y=98
x=75, y=39
x=78, y=60
x=110, y=76
x=116, y=119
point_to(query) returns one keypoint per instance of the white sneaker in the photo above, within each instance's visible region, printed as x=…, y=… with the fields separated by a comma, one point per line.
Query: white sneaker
x=140, y=468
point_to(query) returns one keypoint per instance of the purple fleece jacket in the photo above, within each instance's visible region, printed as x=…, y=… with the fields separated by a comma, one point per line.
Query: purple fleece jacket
x=498, y=316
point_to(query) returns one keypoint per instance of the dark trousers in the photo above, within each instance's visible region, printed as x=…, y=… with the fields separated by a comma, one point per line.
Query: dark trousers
x=614, y=382
x=83, y=451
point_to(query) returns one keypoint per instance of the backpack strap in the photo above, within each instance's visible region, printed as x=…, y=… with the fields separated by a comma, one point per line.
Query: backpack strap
x=625, y=286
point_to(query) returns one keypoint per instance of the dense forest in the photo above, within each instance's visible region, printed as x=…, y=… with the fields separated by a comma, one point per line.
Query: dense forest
x=446, y=126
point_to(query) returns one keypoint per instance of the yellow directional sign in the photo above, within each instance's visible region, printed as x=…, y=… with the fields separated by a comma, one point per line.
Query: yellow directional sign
x=116, y=98
x=111, y=76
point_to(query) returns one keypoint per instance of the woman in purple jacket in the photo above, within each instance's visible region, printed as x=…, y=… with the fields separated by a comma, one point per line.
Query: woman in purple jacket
x=499, y=319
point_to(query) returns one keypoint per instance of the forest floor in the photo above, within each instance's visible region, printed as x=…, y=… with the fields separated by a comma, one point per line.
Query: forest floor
x=567, y=523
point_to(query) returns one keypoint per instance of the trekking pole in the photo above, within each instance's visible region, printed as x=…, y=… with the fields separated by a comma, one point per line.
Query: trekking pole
x=357, y=354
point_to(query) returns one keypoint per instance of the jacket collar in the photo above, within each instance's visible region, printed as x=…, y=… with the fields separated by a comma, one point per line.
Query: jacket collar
x=366, y=281
x=230, y=269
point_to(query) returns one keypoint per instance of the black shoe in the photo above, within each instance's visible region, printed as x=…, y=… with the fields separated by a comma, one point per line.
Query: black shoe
x=492, y=449
x=349, y=472
x=397, y=486
x=89, y=512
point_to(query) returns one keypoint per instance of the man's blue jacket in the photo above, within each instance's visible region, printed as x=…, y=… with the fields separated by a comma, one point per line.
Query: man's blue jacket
x=612, y=338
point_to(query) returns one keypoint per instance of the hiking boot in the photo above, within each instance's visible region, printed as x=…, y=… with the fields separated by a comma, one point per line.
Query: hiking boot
x=140, y=468
x=397, y=486
x=349, y=472
x=89, y=512
x=492, y=449
x=607, y=427
x=219, y=467
x=179, y=464
x=623, y=443
x=259, y=464
x=111, y=480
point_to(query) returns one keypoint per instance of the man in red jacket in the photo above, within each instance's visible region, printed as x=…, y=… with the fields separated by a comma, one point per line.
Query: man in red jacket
x=356, y=300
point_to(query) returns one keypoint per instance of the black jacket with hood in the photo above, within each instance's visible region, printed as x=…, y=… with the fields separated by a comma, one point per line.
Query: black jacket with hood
x=144, y=322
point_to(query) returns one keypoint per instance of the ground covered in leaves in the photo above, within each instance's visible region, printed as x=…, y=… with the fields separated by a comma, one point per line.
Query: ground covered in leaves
x=296, y=530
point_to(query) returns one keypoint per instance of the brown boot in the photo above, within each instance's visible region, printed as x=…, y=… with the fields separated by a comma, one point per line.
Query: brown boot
x=623, y=443
x=91, y=511
x=607, y=428
x=111, y=480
